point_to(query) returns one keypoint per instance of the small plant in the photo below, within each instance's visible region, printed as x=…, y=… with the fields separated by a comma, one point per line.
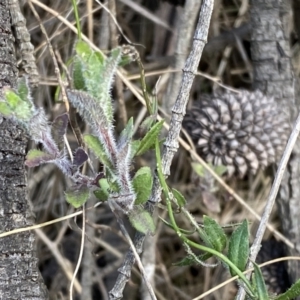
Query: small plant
x=232, y=252
x=92, y=76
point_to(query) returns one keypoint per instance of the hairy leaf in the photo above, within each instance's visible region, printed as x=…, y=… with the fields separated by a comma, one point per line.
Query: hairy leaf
x=142, y=221
x=150, y=138
x=37, y=157
x=83, y=50
x=77, y=196
x=95, y=145
x=238, y=251
x=103, y=193
x=94, y=115
x=24, y=90
x=292, y=293
x=5, y=109
x=260, y=284
x=142, y=184
x=80, y=157
x=94, y=74
x=215, y=234
x=19, y=108
x=77, y=74
x=134, y=148
x=126, y=134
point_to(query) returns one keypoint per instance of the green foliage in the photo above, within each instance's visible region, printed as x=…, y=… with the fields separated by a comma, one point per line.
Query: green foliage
x=98, y=149
x=179, y=198
x=104, y=191
x=238, y=251
x=291, y=293
x=141, y=220
x=215, y=234
x=150, y=138
x=94, y=74
x=18, y=103
x=200, y=170
x=142, y=184
x=5, y=110
x=126, y=134
x=37, y=157
x=259, y=284
x=77, y=196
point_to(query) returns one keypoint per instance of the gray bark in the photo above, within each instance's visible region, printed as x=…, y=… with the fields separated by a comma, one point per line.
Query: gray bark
x=19, y=274
x=270, y=49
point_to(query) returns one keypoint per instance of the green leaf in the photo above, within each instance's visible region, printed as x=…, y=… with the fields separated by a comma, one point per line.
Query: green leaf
x=215, y=234
x=83, y=50
x=5, y=110
x=77, y=196
x=103, y=193
x=260, y=284
x=147, y=123
x=12, y=99
x=23, y=111
x=126, y=134
x=94, y=144
x=23, y=89
x=238, y=251
x=179, y=197
x=93, y=74
x=220, y=170
x=141, y=220
x=134, y=148
x=77, y=74
x=150, y=138
x=291, y=293
x=198, y=168
x=37, y=157
x=142, y=184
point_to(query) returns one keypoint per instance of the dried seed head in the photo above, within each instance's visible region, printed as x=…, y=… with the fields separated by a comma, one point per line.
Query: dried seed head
x=243, y=131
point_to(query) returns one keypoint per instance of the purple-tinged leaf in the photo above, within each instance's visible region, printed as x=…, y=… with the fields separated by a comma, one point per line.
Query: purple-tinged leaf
x=77, y=195
x=80, y=157
x=36, y=157
x=59, y=129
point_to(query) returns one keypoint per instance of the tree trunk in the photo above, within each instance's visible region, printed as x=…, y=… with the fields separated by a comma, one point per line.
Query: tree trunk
x=19, y=274
x=270, y=49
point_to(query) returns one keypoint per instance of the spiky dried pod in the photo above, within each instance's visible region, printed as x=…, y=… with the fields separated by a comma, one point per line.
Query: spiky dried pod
x=242, y=131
